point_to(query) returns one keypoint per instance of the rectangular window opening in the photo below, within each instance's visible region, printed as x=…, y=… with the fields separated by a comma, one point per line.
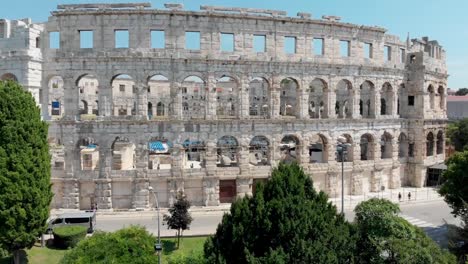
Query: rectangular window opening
x=319, y=48
x=259, y=43
x=86, y=39
x=121, y=39
x=54, y=40
x=387, y=53
x=290, y=45
x=192, y=40
x=402, y=55
x=368, y=50
x=411, y=100
x=157, y=39
x=345, y=49
x=227, y=42
x=122, y=88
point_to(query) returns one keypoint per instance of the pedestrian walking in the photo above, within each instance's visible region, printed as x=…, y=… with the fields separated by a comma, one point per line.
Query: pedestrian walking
x=399, y=196
x=409, y=196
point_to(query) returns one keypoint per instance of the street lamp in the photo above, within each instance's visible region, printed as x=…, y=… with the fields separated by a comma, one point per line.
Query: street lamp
x=342, y=147
x=158, y=245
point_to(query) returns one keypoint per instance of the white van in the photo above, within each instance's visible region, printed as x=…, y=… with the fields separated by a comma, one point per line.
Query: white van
x=87, y=219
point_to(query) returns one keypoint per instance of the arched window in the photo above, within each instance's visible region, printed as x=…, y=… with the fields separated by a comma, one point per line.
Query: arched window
x=431, y=92
x=367, y=96
x=367, y=147
x=318, y=94
x=83, y=107
x=318, y=151
x=259, y=97
x=290, y=149
x=193, y=97
x=402, y=146
x=227, y=150
x=88, y=91
x=259, y=151
x=383, y=106
x=344, y=94
x=441, y=94
x=348, y=154
x=430, y=144
x=386, y=147
x=386, y=101
x=150, y=110
x=123, y=93
x=227, y=91
x=288, y=97
x=160, y=109
x=440, y=143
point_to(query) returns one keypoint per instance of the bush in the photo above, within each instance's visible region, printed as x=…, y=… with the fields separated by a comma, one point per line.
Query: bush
x=68, y=236
x=192, y=258
x=130, y=245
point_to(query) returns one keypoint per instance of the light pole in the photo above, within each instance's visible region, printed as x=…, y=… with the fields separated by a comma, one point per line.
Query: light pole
x=342, y=147
x=157, y=246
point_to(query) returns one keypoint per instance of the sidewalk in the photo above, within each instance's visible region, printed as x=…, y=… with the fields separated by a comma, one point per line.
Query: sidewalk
x=418, y=195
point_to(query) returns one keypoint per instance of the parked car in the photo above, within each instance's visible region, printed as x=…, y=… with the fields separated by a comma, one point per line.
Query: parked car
x=87, y=219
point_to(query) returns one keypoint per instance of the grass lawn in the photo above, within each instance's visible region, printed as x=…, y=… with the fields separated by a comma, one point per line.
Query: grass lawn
x=187, y=246
x=39, y=255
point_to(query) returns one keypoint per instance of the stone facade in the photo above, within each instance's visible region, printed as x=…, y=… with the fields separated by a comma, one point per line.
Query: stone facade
x=213, y=120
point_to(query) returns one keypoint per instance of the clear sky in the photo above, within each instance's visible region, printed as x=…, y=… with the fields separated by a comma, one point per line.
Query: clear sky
x=445, y=21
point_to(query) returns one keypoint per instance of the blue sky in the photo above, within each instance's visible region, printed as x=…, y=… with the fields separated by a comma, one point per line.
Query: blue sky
x=445, y=21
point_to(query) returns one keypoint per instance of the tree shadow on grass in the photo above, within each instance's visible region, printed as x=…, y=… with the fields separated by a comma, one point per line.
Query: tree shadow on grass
x=168, y=246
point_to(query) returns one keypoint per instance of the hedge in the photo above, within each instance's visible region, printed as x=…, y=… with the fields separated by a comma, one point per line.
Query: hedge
x=68, y=236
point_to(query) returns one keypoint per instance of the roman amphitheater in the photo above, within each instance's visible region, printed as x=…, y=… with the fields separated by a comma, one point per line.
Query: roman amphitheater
x=209, y=101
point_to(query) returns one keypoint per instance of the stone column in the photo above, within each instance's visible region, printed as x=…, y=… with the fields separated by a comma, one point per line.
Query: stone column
x=330, y=103
x=174, y=185
x=210, y=159
x=71, y=194
x=304, y=156
x=244, y=186
x=244, y=98
x=177, y=161
x=302, y=104
x=275, y=98
x=176, y=100
x=142, y=99
x=211, y=97
x=356, y=97
x=103, y=194
x=211, y=191
x=71, y=98
x=356, y=180
x=375, y=112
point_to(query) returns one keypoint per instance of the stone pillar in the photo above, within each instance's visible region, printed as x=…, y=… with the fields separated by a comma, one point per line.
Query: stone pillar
x=302, y=104
x=375, y=113
x=395, y=180
x=244, y=157
x=304, y=156
x=103, y=194
x=275, y=98
x=211, y=97
x=71, y=194
x=141, y=193
x=174, y=185
x=244, y=186
x=176, y=100
x=71, y=99
x=211, y=191
x=210, y=159
x=330, y=102
x=244, y=98
x=333, y=182
x=142, y=99
x=356, y=181
x=177, y=161
x=356, y=97
x=375, y=181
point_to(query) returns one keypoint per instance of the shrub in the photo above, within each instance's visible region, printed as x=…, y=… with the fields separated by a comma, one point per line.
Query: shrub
x=192, y=258
x=130, y=245
x=68, y=236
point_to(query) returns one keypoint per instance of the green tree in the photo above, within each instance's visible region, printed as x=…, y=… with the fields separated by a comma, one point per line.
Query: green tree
x=462, y=91
x=384, y=237
x=179, y=217
x=454, y=188
x=458, y=239
x=129, y=245
x=286, y=221
x=458, y=134
x=25, y=189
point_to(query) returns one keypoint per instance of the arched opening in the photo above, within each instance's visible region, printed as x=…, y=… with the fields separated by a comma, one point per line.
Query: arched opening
x=431, y=92
x=193, y=98
x=159, y=154
x=403, y=146
x=56, y=96
x=348, y=154
x=430, y=144
x=367, y=100
x=259, y=97
x=88, y=90
x=9, y=77
x=290, y=149
x=386, y=99
x=195, y=152
x=123, y=154
x=89, y=154
x=440, y=143
x=124, y=95
x=288, y=97
x=227, y=97
x=441, y=96
x=386, y=147
x=259, y=151
x=318, y=98
x=344, y=99
x=367, y=147
x=318, y=149
x=159, y=95
x=401, y=97
x=227, y=149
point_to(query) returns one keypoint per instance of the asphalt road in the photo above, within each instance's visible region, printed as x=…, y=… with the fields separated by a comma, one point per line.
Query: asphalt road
x=432, y=216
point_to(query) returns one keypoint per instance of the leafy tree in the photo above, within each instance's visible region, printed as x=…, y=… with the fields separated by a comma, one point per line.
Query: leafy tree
x=455, y=183
x=458, y=239
x=179, y=217
x=384, y=237
x=458, y=134
x=286, y=221
x=462, y=91
x=25, y=189
x=129, y=245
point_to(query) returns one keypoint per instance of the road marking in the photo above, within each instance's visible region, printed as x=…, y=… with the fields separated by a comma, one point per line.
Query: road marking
x=436, y=232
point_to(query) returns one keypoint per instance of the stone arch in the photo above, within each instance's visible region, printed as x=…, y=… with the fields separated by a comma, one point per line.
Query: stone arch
x=344, y=99
x=56, y=95
x=290, y=148
x=440, y=143
x=88, y=91
x=123, y=154
x=441, y=96
x=159, y=154
x=194, y=97
x=348, y=157
x=195, y=153
x=124, y=95
x=431, y=92
x=9, y=77
x=318, y=98
x=367, y=100
x=386, y=99
x=403, y=145
x=289, y=89
x=259, y=97
x=227, y=149
x=430, y=144
x=318, y=149
x=367, y=147
x=227, y=97
x=259, y=151
x=386, y=146
x=159, y=93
